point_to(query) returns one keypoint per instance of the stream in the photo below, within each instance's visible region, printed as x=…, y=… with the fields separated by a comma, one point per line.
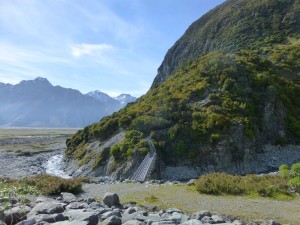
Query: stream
x=54, y=166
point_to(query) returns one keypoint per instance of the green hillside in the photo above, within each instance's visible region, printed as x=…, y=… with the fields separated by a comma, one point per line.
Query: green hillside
x=224, y=98
x=232, y=26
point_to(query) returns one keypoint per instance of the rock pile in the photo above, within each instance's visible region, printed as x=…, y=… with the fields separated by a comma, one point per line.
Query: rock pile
x=67, y=209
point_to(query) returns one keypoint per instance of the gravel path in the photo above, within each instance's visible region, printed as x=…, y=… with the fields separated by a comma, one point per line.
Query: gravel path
x=187, y=199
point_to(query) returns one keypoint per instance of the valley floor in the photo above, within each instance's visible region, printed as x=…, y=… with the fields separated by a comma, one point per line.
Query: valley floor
x=25, y=152
x=189, y=200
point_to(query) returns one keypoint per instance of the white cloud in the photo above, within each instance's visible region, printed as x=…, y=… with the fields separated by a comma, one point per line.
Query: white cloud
x=90, y=49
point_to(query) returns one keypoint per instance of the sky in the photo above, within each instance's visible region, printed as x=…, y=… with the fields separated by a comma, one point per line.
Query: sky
x=114, y=46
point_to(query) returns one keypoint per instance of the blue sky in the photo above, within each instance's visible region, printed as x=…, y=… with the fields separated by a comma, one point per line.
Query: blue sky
x=114, y=46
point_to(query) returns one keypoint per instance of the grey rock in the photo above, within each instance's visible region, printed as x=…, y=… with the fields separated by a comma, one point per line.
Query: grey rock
x=90, y=200
x=100, y=211
x=207, y=219
x=73, y=222
x=191, y=182
x=201, y=214
x=130, y=210
x=134, y=222
x=52, y=218
x=270, y=222
x=237, y=222
x=192, y=222
x=166, y=222
x=77, y=205
x=176, y=217
x=172, y=210
x=68, y=197
x=90, y=217
x=110, y=199
x=113, y=220
x=110, y=214
x=16, y=214
x=46, y=208
x=218, y=219
x=95, y=205
x=27, y=222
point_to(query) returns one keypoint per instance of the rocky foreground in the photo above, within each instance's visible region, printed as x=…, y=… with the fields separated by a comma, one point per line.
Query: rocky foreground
x=67, y=209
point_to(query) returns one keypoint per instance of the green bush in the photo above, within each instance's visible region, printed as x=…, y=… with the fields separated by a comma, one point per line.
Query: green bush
x=284, y=171
x=52, y=185
x=225, y=184
x=101, y=157
x=214, y=138
x=219, y=183
x=295, y=171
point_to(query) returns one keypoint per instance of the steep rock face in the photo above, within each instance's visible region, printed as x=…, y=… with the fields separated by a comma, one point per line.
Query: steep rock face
x=234, y=110
x=230, y=27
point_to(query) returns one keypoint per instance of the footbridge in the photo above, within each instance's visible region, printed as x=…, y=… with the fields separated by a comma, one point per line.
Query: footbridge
x=147, y=164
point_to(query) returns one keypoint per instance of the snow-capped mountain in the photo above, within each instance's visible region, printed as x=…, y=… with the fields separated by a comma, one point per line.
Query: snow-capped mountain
x=100, y=96
x=37, y=103
x=124, y=99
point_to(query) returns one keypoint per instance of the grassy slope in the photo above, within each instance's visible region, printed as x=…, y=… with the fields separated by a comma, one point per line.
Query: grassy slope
x=198, y=104
x=225, y=87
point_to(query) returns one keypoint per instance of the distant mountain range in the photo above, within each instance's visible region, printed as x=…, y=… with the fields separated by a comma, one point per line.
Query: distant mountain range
x=37, y=103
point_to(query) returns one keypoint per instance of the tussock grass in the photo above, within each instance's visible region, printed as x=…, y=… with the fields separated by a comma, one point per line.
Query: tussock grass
x=251, y=185
x=40, y=184
x=51, y=185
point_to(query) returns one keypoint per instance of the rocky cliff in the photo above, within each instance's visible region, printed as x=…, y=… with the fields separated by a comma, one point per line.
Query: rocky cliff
x=225, y=99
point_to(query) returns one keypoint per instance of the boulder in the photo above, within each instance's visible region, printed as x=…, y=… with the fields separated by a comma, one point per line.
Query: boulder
x=73, y=222
x=90, y=217
x=172, y=210
x=207, y=219
x=130, y=210
x=68, y=197
x=134, y=222
x=191, y=182
x=26, y=222
x=110, y=199
x=110, y=214
x=113, y=220
x=201, y=214
x=192, y=222
x=237, y=222
x=77, y=205
x=46, y=208
x=218, y=219
x=16, y=214
x=52, y=218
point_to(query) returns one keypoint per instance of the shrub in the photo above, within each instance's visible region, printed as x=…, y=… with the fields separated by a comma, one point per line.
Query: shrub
x=101, y=157
x=225, y=184
x=219, y=183
x=295, y=171
x=51, y=185
x=115, y=151
x=284, y=171
x=215, y=138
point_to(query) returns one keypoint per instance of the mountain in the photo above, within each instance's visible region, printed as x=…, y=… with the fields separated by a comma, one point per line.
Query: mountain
x=124, y=99
x=37, y=103
x=230, y=27
x=226, y=98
